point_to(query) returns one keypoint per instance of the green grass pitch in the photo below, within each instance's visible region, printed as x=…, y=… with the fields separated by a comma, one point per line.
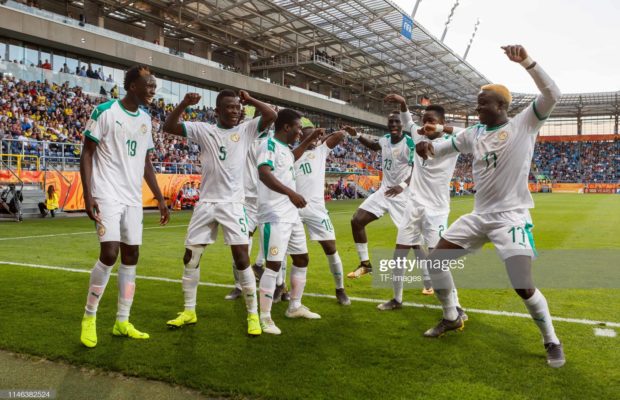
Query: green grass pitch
x=353, y=352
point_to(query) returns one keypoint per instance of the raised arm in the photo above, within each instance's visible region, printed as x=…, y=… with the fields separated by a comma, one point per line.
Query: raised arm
x=267, y=113
x=370, y=144
x=151, y=181
x=549, y=91
x=299, y=150
x=334, y=139
x=172, y=124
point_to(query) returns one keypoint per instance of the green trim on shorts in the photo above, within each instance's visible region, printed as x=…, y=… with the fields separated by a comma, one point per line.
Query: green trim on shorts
x=530, y=237
x=266, y=236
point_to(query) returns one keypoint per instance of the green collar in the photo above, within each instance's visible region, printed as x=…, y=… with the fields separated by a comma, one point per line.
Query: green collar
x=129, y=112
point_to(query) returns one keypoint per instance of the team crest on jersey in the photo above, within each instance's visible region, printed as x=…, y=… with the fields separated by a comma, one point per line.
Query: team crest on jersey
x=235, y=137
x=503, y=135
x=311, y=156
x=273, y=251
x=100, y=230
x=396, y=153
x=143, y=129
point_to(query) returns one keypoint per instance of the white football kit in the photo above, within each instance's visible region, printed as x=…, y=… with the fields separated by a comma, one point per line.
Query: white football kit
x=281, y=229
x=397, y=161
x=502, y=159
x=310, y=183
x=123, y=140
x=428, y=195
x=223, y=153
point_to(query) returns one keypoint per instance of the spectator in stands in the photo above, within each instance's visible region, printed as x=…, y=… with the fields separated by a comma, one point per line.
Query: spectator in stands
x=110, y=79
x=51, y=202
x=82, y=71
x=46, y=65
x=100, y=74
x=65, y=69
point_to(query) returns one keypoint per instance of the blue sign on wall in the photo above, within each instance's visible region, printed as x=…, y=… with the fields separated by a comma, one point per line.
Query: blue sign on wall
x=407, y=27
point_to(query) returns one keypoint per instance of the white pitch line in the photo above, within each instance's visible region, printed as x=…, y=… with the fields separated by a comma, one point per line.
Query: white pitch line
x=328, y=296
x=604, y=332
x=81, y=233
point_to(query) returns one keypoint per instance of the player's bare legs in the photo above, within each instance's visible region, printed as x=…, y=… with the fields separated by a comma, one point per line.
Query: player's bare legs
x=360, y=219
x=335, y=266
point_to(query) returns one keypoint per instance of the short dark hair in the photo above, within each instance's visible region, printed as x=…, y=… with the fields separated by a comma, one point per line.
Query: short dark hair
x=224, y=93
x=135, y=73
x=286, y=116
x=438, y=109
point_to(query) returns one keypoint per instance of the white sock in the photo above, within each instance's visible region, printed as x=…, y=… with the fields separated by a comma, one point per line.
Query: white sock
x=298, y=283
x=335, y=266
x=426, y=278
x=362, y=251
x=99, y=277
x=282, y=273
x=397, y=283
x=539, y=310
x=444, y=286
x=191, y=277
x=126, y=290
x=267, y=287
x=455, y=293
x=248, y=286
x=236, y=276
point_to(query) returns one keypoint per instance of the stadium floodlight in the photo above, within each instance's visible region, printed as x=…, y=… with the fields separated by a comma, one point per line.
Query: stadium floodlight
x=471, y=40
x=445, y=31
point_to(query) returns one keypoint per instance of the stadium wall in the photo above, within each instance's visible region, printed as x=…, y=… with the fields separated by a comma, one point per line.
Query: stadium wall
x=69, y=185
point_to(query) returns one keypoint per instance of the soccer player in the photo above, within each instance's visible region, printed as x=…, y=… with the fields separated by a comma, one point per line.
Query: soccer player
x=280, y=226
x=117, y=140
x=502, y=149
x=397, y=152
x=224, y=148
x=428, y=196
x=250, y=203
x=310, y=183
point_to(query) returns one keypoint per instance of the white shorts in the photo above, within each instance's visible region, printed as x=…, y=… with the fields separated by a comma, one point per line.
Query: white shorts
x=421, y=228
x=206, y=218
x=377, y=204
x=120, y=223
x=509, y=231
x=316, y=218
x=251, y=211
x=281, y=238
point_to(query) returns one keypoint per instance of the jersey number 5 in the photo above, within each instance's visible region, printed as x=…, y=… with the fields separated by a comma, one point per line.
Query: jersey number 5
x=222, y=153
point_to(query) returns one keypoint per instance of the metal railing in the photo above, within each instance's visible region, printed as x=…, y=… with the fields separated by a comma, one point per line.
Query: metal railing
x=16, y=161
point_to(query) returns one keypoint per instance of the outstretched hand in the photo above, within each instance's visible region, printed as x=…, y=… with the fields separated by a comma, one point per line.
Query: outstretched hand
x=395, y=98
x=244, y=97
x=516, y=53
x=425, y=150
x=394, y=191
x=350, y=130
x=191, y=99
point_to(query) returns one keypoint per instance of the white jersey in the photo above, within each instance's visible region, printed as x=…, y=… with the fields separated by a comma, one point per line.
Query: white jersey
x=123, y=139
x=396, y=159
x=430, y=182
x=223, y=153
x=250, y=178
x=274, y=206
x=310, y=174
x=502, y=159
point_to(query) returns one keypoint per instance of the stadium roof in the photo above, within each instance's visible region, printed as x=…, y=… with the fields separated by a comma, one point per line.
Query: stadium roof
x=372, y=57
